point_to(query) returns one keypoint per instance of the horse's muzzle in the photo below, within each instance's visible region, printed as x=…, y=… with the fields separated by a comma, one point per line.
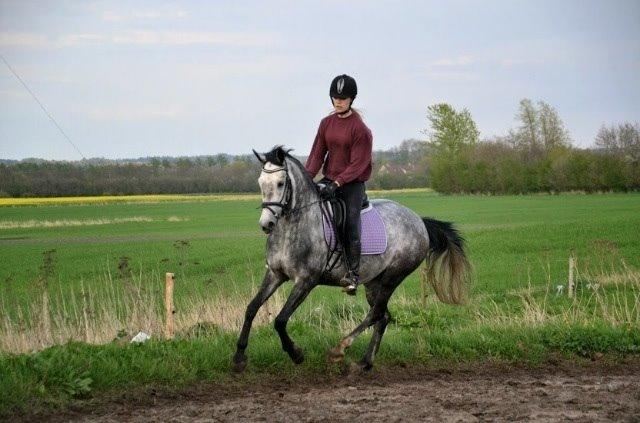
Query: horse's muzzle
x=268, y=227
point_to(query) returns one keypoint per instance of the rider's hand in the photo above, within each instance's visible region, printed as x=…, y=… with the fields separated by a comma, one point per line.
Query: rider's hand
x=329, y=191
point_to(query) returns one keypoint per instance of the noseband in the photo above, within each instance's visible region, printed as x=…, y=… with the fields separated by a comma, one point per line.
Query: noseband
x=286, y=195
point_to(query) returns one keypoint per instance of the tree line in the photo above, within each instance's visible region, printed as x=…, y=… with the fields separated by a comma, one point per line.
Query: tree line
x=394, y=168
x=536, y=156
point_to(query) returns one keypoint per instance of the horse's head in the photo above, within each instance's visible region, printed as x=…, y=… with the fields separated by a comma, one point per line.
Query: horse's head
x=275, y=185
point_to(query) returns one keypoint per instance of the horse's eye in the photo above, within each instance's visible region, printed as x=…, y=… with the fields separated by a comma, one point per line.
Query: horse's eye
x=280, y=184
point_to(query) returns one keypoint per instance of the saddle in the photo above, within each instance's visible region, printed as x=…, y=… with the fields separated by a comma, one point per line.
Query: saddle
x=373, y=232
x=339, y=211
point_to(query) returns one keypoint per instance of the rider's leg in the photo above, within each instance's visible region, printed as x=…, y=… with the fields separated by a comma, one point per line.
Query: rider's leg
x=352, y=194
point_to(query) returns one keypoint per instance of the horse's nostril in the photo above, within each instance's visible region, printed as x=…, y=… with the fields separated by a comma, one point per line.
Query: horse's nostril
x=271, y=224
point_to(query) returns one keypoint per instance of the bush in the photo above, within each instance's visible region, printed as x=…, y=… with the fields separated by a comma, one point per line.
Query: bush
x=497, y=168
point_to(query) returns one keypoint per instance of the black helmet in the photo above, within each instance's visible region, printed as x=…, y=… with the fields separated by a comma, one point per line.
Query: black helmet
x=343, y=86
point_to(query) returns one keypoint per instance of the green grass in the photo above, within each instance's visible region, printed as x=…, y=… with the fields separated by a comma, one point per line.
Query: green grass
x=507, y=237
x=519, y=247
x=55, y=376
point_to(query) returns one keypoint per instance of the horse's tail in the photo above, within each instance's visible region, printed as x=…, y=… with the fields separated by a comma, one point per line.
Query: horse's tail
x=447, y=268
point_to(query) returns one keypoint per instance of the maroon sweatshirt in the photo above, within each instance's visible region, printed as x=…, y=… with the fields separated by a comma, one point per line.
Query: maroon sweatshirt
x=344, y=146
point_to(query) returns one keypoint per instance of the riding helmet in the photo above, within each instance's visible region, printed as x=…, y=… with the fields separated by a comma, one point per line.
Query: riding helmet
x=343, y=86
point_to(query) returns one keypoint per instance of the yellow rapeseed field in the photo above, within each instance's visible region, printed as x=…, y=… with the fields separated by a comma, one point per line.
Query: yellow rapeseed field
x=43, y=201
x=125, y=199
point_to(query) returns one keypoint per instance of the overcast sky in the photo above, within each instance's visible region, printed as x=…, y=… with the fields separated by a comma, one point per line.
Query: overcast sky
x=130, y=79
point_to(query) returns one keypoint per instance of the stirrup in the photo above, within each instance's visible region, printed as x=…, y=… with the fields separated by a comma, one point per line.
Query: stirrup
x=350, y=283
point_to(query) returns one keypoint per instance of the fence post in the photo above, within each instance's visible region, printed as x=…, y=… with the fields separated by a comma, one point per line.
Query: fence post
x=85, y=315
x=168, y=305
x=423, y=287
x=572, y=265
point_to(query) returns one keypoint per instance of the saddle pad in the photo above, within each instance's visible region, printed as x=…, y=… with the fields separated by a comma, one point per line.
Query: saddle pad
x=373, y=233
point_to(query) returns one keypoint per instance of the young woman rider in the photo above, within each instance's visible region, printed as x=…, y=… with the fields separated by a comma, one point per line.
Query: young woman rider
x=342, y=148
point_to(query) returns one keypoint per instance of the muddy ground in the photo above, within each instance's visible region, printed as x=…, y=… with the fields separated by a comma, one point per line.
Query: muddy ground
x=559, y=391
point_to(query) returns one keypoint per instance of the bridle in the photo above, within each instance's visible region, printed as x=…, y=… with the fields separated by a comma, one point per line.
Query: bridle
x=285, y=200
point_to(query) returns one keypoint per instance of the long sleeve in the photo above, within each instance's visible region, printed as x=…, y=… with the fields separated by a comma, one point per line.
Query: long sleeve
x=359, y=157
x=318, y=153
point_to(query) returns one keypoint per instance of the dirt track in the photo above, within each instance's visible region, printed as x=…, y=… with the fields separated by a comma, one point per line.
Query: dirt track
x=559, y=392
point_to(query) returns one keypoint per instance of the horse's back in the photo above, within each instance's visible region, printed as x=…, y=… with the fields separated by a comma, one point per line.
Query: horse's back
x=407, y=235
x=395, y=215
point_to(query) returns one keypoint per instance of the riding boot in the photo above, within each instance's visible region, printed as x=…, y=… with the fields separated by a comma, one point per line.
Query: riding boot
x=352, y=193
x=351, y=279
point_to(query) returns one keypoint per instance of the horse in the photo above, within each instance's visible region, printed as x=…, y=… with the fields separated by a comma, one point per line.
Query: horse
x=296, y=250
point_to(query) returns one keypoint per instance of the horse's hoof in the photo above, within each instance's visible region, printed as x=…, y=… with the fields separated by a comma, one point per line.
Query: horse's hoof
x=239, y=367
x=365, y=367
x=239, y=363
x=335, y=355
x=298, y=355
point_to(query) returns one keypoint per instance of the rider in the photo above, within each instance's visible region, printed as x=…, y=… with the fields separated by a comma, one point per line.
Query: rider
x=342, y=148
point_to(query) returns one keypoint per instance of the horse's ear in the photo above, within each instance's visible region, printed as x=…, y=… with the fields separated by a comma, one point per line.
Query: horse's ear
x=260, y=157
x=280, y=156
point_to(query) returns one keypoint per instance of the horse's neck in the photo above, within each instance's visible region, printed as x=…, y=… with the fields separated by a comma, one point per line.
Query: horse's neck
x=306, y=212
x=303, y=194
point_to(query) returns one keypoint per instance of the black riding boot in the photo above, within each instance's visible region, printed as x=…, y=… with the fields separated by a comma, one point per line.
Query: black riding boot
x=351, y=280
x=352, y=194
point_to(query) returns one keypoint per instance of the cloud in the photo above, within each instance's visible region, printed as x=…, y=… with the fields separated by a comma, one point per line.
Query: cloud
x=169, y=38
x=459, y=61
x=189, y=38
x=205, y=71
x=452, y=69
x=22, y=39
x=143, y=15
x=135, y=113
x=508, y=62
x=80, y=39
x=508, y=55
x=453, y=76
x=13, y=94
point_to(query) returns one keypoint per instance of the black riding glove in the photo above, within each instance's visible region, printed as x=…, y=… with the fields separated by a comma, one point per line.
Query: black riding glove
x=328, y=191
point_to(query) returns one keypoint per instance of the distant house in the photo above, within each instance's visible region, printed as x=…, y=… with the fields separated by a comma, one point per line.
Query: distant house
x=395, y=169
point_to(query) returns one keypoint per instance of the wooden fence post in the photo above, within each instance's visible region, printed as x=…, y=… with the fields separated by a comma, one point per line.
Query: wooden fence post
x=168, y=305
x=423, y=287
x=85, y=315
x=571, y=285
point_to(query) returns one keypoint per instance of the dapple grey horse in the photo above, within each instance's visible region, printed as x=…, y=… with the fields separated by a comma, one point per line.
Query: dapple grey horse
x=297, y=251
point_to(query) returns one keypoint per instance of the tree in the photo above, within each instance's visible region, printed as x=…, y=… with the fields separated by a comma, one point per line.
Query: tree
x=453, y=135
x=451, y=130
x=527, y=135
x=552, y=130
x=541, y=130
x=184, y=164
x=623, y=140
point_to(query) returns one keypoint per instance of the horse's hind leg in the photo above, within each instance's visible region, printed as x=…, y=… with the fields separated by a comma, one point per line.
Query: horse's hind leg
x=378, y=332
x=300, y=291
x=376, y=314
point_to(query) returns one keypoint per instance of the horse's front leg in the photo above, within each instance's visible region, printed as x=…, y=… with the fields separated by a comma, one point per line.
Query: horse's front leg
x=270, y=283
x=301, y=289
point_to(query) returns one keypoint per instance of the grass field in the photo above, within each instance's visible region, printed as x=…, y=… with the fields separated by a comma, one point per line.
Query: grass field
x=97, y=268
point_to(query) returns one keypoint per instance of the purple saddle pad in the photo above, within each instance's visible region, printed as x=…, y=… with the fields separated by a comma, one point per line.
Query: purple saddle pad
x=373, y=234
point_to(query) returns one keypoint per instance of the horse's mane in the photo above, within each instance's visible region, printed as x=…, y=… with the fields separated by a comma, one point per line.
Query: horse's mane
x=278, y=155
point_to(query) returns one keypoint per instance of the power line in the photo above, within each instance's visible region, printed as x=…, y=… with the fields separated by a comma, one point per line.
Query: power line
x=42, y=106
